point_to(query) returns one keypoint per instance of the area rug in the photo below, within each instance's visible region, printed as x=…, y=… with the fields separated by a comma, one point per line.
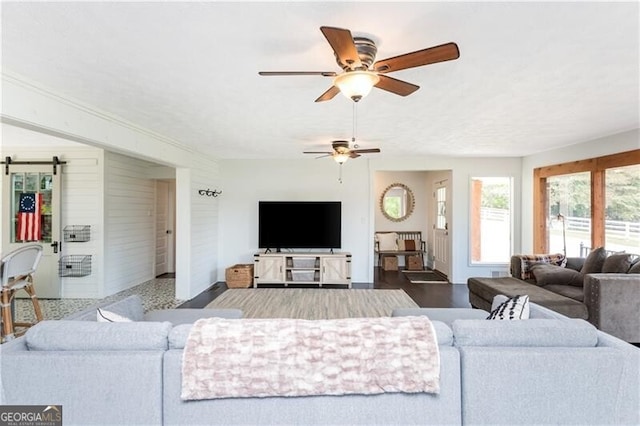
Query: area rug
x=425, y=277
x=313, y=303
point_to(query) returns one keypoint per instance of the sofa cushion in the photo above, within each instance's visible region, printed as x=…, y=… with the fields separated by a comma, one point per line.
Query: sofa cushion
x=635, y=268
x=178, y=336
x=594, y=261
x=514, y=308
x=97, y=336
x=446, y=315
x=485, y=289
x=103, y=315
x=535, y=310
x=618, y=263
x=575, y=263
x=546, y=273
x=130, y=307
x=533, y=332
x=189, y=316
x=528, y=260
x=387, y=241
x=570, y=291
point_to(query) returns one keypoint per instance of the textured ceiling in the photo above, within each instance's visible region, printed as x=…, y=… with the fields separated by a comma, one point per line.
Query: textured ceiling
x=530, y=77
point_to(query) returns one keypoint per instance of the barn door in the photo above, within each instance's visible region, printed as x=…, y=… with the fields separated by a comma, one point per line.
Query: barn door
x=31, y=214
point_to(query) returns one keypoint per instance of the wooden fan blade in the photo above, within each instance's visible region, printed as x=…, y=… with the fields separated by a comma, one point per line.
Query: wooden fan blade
x=342, y=44
x=329, y=94
x=353, y=154
x=431, y=55
x=317, y=152
x=366, y=151
x=396, y=86
x=277, y=73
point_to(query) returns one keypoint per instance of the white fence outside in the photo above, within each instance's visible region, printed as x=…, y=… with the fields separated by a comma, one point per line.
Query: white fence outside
x=620, y=236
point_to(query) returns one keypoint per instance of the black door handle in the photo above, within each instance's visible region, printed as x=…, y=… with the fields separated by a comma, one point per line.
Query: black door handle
x=55, y=246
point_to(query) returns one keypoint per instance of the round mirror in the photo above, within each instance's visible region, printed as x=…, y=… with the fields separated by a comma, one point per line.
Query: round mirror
x=397, y=202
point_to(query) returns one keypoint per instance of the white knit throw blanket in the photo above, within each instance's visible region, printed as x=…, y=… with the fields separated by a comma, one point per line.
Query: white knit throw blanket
x=293, y=357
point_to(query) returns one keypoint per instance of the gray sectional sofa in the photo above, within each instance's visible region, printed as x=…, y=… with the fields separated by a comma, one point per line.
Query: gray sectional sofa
x=546, y=370
x=603, y=288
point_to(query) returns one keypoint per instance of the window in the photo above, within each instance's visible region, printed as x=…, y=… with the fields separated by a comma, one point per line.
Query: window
x=491, y=227
x=40, y=185
x=622, y=209
x=588, y=203
x=441, y=206
x=569, y=216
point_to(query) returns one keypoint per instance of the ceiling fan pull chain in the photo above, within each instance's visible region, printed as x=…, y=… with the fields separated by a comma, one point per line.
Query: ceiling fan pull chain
x=355, y=125
x=340, y=173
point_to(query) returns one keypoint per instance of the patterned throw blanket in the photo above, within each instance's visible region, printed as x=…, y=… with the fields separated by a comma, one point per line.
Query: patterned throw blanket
x=293, y=357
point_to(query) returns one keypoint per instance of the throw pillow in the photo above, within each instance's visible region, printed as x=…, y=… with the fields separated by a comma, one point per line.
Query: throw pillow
x=514, y=308
x=594, y=261
x=545, y=273
x=387, y=241
x=528, y=260
x=408, y=245
x=618, y=263
x=635, y=268
x=108, y=316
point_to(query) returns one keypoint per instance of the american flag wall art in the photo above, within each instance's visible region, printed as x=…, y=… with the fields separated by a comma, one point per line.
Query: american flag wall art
x=29, y=228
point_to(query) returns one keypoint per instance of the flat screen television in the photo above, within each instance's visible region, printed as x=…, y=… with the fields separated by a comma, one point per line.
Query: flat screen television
x=299, y=225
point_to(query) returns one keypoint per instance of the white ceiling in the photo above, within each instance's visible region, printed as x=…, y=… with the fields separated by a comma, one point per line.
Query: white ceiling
x=530, y=77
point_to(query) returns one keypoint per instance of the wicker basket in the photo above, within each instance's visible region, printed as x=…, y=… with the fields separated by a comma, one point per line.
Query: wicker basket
x=239, y=276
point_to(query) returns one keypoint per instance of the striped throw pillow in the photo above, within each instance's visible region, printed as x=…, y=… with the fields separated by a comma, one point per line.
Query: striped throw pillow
x=514, y=308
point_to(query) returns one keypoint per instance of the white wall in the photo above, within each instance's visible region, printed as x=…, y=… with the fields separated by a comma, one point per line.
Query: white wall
x=419, y=219
x=203, y=217
x=620, y=142
x=461, y=169
x=29, y=106
x=213, y=234
x=129, y=240
x=417, y=182
x=248, y=181
x=81, y=203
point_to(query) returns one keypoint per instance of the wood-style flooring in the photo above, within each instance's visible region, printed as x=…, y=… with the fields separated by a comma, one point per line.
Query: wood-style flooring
x=425, y=295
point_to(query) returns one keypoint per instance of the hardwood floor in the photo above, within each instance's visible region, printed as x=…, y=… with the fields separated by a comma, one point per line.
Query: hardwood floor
x=425, y=295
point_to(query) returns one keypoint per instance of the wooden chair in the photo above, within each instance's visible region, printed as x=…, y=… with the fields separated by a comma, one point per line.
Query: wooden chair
x=17, y=270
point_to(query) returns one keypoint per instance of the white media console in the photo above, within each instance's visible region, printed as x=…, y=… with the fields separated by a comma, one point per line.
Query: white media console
x=302, y=268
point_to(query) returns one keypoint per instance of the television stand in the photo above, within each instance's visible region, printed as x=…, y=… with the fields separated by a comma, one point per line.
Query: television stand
x=302, y=268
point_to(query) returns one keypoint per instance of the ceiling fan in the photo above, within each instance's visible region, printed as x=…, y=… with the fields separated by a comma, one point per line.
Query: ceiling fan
x=341, y=151
x=356, y=56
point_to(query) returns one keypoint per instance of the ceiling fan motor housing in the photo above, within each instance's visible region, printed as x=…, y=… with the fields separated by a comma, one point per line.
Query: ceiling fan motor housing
x=356, y=56
x=340, y=146
x=367, y=51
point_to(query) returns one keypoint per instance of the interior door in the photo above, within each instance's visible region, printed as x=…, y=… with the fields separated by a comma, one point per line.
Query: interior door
x=162, y=228
x=165, y=225
x=31, y=212
x=441, y=229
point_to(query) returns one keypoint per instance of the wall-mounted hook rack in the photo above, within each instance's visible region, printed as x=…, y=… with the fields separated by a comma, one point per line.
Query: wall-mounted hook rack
x=209, y=192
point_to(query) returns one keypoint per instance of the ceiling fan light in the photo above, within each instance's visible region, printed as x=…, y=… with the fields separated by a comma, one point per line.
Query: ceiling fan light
x=340, y=158
x=355, y=85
